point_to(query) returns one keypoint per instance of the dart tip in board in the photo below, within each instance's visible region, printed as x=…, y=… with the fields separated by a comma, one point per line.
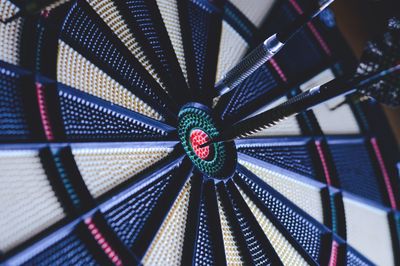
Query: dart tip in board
x=197, y=139
x=206, y=144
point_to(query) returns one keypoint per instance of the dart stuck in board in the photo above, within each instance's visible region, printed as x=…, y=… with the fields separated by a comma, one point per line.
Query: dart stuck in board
x=377, y=76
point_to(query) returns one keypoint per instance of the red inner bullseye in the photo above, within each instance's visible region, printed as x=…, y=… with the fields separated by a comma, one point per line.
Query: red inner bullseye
x=198, y=137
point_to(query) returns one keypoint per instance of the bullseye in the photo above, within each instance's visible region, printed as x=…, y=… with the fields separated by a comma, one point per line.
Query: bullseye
x=197, y=126
x=198, y=137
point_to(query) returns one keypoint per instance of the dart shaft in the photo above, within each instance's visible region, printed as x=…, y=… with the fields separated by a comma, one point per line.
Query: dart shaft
x=291, y=107
x=291, y=29
x=264, y=52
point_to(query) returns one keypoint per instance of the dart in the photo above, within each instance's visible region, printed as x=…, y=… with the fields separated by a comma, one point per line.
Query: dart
x=306, y=100
x=265, y=51
x=373, y=78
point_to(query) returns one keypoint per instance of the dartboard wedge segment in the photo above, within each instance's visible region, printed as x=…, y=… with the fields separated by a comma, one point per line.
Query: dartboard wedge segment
x=104, y=167
x=315, y=237
x=89, y=118
x=292, y=186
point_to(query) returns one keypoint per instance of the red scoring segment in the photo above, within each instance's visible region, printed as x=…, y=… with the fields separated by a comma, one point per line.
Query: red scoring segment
x=198, y=137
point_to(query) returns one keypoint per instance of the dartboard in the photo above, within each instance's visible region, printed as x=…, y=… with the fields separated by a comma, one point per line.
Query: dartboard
x=104, y=106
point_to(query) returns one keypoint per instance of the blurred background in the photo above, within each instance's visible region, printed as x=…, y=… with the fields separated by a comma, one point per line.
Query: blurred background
x=358, y=20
